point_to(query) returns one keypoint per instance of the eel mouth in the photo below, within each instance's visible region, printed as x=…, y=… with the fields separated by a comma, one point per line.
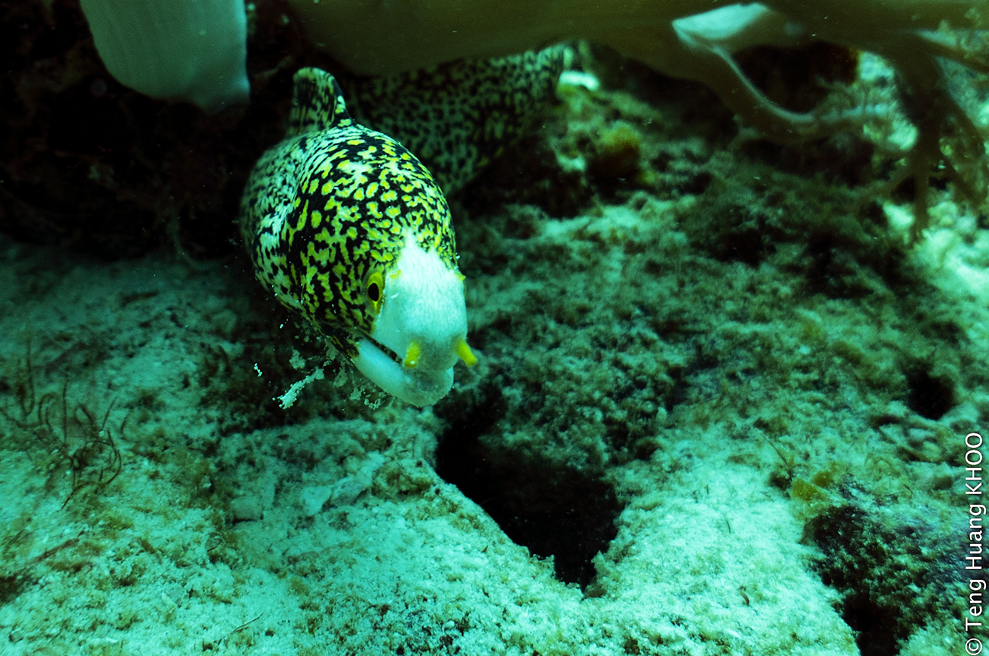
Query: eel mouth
x=381, y=347
x=415, y=385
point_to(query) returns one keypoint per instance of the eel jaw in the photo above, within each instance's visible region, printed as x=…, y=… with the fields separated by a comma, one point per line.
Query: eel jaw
x=420, y=331
x=419, y=387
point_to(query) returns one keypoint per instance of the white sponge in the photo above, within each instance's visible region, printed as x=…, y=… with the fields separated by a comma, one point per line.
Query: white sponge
x=190, y=50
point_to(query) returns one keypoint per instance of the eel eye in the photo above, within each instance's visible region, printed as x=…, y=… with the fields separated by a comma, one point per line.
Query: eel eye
x=374, y=288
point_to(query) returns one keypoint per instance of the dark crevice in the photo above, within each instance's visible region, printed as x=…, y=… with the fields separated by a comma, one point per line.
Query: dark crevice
x=930, y=396
x=875, y=627
x=550, y=508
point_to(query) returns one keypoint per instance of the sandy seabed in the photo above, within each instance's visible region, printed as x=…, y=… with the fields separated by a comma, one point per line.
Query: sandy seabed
x=715, y=413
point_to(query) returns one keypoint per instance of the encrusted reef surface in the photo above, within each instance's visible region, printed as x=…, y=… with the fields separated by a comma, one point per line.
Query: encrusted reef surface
x=720, y=408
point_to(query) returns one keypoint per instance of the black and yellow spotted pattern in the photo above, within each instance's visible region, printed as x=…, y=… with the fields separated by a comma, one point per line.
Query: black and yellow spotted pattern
x=457, y=117
x=326, y=213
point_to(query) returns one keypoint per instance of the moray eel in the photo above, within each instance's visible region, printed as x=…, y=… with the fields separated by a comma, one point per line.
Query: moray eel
x=459, y=116
x=349, y=229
